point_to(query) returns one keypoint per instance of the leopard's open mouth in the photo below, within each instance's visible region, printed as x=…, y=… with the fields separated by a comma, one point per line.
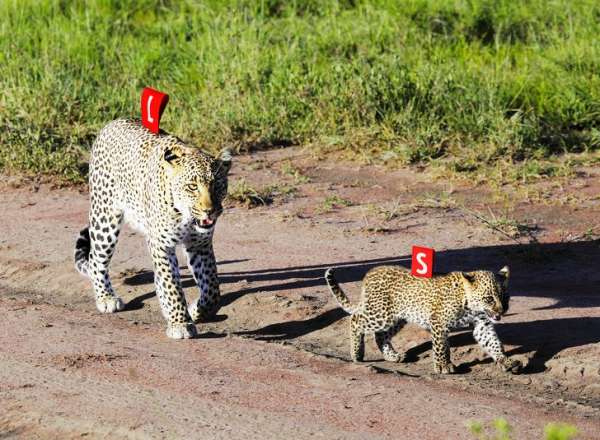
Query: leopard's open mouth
x=205, y=223
x=495, y=317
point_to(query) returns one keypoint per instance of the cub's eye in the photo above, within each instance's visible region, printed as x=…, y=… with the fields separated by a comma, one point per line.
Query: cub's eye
x=191, y=187
x=489, y=300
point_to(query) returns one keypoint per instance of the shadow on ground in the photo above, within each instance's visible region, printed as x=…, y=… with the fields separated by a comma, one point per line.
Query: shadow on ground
x=541, y=339
x=295, y=329
x=564, y=272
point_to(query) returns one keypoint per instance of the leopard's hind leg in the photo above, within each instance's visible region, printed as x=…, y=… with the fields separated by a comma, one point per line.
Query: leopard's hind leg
x=441, y=347
x=357, y=338
x=105, y=225
x=384, y=342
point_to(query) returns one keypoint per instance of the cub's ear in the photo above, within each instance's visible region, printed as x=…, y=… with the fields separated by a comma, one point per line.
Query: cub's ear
x=468, y=280
x=504, y=273
x=172, y=154
x=225, y=159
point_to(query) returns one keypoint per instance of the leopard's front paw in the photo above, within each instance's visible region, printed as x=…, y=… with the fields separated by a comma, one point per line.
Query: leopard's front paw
x=444, y=368
x=181, y=331
x=110, y=304
x=508, y=365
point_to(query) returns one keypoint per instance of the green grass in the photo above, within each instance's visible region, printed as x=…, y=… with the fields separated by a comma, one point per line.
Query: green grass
x=503, y=431
x=333, y=202
x=242, y=193
x=469, y=83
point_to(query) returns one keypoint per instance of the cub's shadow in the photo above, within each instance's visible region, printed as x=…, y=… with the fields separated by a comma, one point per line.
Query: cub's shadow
x=540, y=340
x=548, y=337
x=565, y=273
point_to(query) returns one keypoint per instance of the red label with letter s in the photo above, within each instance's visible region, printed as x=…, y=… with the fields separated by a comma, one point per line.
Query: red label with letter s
x=153, y=105
x=422, y=261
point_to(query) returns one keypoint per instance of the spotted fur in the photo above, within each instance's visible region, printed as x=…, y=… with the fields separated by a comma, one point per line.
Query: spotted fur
x=392, y=296
x=82, y=251
x=170, y=191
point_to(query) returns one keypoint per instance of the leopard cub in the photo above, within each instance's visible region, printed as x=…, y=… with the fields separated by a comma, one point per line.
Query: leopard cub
x=392, y=296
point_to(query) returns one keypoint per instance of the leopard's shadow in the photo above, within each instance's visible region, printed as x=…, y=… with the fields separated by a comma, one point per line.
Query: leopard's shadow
x=556, y=334
x=564, y=273
x=147, y=276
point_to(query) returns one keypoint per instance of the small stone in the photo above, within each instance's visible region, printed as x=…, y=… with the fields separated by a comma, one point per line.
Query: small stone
x=592, y=390
x=522, y=379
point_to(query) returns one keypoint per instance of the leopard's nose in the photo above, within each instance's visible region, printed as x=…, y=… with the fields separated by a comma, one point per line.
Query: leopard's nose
x=202, y=213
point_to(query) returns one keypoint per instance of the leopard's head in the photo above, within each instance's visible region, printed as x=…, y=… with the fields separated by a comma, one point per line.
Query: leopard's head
x=198, y=183
x=487, y=292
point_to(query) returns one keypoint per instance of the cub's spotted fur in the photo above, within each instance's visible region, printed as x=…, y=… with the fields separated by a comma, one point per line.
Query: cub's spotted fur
x=170, y=191
x=392, y=296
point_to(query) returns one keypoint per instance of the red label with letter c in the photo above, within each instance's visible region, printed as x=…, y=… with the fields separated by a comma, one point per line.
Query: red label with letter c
x=153, y=105
x=422, y=261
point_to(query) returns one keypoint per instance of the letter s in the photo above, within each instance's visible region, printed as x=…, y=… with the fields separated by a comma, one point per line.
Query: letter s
x=423, y=270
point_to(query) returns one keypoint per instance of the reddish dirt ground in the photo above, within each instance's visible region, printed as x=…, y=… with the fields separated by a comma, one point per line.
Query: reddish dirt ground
x=274, y=363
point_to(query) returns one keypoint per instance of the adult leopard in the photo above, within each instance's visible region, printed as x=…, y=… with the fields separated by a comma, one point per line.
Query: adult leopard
x=171, y=192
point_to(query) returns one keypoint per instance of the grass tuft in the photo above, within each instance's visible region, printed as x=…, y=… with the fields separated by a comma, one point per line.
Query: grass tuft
x=244, y=194
x=333, y=202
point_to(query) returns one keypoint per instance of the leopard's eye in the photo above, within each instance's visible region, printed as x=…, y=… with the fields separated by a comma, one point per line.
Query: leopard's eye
x=192, y=187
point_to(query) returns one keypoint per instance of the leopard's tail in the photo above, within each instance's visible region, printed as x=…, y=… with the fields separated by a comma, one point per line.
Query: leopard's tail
x=337, y=292
x=82, y=251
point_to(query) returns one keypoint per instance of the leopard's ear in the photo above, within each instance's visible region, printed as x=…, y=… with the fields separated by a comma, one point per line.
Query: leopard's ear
x=172, y=154
x=468, y=280
x=504, y=274
x=225, y=158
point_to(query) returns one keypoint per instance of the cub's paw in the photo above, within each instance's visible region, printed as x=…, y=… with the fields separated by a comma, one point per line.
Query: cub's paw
x=181, y=331
x=195, y=313
x=110, y=304
x=513, y=366
x=444, y=369
x=393, y=356
x=202, y=313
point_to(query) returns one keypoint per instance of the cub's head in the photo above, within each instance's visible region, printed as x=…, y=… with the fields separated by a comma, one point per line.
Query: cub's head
x=198, y=183
x=487, y=292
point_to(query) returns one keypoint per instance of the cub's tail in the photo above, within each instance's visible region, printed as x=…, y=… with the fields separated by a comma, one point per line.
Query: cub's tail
x=82, y=251
x=339, y=294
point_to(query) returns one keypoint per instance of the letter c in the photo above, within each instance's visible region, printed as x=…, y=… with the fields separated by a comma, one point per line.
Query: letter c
x=150, y=118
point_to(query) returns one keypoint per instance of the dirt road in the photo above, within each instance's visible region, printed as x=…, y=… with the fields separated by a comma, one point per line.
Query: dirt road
x=274, y=362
